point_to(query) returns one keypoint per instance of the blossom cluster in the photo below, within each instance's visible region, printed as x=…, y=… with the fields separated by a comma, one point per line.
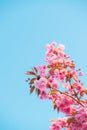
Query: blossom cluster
x=59, y=81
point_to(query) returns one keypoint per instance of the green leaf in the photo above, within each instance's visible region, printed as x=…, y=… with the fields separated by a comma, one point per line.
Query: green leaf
x=55, y=107
x=35, y=69
x=37, y=91
x=30, y=73
x=54, y=91
x=32, y=80
x=32, y=89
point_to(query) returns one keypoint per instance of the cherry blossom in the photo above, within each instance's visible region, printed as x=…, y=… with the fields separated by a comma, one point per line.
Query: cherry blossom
x=59, y=81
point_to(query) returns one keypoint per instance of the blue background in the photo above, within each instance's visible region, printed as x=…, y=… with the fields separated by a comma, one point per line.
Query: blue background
x=25, y=28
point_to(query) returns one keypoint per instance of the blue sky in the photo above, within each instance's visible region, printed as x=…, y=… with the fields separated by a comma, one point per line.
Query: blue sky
x=25, y=28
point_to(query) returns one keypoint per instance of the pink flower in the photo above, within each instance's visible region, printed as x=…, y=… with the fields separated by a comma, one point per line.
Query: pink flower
x=64, y=103
x=55, y=126
x=60, y=75
x=53, y=54
x=44, y=95
x=42, y=70
x=80, y=118
x=81, y=74
x=61, y=47
x=78, y=86
x=59, y=124
x=62, y=122
x=54, y=85
x=56, y=73
x=41, y=83
x=67, y=86
x=50, y=80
